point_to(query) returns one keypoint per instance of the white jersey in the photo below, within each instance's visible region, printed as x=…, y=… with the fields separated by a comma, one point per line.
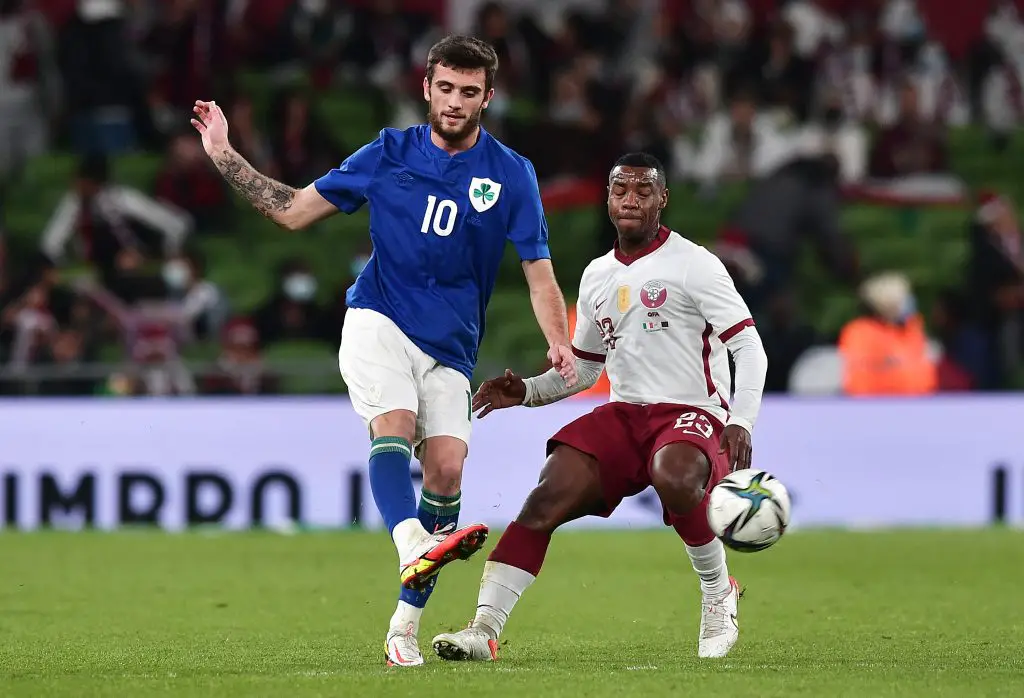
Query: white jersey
x=659, y=321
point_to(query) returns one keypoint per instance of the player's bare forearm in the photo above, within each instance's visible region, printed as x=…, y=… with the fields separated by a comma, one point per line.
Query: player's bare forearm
x=268, y=196
x=547, y=300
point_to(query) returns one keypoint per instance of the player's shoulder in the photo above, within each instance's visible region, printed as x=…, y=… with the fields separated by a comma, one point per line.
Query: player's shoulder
x=680, y=247
x=599, y=268
x=509, y=157
x=390, y=136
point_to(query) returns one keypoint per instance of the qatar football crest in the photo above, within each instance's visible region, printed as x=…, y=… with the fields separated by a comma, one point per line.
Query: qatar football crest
x=653, y=294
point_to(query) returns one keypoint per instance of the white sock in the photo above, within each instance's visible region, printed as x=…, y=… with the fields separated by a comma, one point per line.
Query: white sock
x=407, y=535
x=709, y=563
x=500, y=588
x=405, y=614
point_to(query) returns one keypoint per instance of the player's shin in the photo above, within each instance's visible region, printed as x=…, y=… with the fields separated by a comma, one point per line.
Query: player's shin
x=393, y=493
x=435, y=512
x=706, y=552
x=510, y=569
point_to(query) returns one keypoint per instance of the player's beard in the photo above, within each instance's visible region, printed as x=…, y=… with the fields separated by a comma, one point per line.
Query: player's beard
x=457, y=134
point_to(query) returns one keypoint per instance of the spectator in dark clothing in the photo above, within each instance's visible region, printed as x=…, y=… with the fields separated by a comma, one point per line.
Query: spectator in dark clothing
x=785, y=79
x=239, y=369
x=190, y=40
x=293, y=312
x=785, y=337
x=188, y=181
x=761, y=242
x=104, y=94
x=966, y=362
x=303, y=148
x=912, y=145
x=996, y=281
x=66, y=359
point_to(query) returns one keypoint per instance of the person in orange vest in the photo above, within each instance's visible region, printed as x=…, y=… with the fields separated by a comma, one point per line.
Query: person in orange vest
x=886, y=351
x=600, y=389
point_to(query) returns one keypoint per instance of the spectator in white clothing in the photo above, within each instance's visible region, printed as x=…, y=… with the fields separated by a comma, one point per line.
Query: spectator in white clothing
x=813, y=25
x=100, y=219
x=740, y=144
x=204, y=305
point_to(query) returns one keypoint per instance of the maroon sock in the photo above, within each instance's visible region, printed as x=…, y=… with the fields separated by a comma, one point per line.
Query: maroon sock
x=693, y=526
x=521, y=547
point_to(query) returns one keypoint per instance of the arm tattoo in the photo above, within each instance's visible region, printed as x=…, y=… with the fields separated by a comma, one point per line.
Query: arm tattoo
x=268, y=196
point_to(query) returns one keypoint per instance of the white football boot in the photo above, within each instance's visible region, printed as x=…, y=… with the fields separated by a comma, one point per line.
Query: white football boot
x=470, y=645
x=719, y=625
x=401, y=648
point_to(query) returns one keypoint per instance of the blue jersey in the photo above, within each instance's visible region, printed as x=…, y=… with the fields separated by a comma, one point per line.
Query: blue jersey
x=439, y=224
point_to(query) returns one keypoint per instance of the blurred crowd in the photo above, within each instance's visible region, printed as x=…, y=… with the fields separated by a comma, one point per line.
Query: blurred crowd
x=807, y=100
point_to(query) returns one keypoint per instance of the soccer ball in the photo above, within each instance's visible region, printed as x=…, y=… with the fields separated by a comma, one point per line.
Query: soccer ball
x=749, y=510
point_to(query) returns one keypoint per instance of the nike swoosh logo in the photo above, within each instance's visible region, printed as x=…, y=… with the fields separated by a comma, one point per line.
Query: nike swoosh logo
x=598, y=306
x=735, y=622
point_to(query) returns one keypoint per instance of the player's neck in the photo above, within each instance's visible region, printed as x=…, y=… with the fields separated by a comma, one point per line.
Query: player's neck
x=631, y=247
x=454, y=148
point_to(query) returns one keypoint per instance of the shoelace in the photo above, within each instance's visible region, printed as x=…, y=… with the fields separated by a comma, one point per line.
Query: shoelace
x=441, y=533
x=715, y=620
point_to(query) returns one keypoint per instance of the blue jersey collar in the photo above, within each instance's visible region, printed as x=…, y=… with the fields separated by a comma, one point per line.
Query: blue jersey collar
x=439, y=153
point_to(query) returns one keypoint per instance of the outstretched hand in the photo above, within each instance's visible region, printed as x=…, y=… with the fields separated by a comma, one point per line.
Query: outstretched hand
x=212, y=125
x=498, y=393
x=736, y=441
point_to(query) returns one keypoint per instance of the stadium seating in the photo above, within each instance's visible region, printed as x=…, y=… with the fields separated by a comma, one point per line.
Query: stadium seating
x=929, y=244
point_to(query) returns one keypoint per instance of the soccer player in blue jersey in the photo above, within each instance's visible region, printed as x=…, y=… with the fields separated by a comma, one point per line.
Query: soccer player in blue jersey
x=444, y=198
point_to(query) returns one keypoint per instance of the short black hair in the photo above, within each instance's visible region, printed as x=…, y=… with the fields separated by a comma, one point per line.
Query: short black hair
x=463, y=53
x=644, y=160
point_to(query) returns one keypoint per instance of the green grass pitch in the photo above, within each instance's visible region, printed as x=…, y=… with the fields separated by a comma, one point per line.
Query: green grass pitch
x=924, y=613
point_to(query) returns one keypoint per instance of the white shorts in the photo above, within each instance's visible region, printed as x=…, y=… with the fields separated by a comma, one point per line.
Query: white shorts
x=385, y=371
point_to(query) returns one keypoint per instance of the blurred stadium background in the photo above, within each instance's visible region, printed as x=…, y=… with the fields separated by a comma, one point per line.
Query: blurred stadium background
x=857, y=164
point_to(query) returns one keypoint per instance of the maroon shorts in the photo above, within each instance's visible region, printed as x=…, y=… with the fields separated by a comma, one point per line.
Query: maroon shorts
x=624, y=438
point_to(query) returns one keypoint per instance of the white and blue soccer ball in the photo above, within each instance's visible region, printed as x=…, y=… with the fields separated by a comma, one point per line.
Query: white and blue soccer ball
x=749, y=510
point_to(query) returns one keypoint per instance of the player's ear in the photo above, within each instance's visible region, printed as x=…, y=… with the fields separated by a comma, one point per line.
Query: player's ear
x=487, y=98
x=664, y=199
x=426, y=89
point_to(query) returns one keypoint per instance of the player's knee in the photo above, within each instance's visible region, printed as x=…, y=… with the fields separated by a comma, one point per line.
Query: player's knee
x=444, y=476
x=544, y=509
x=680, y=473
x=399, y=423
x=442, y=459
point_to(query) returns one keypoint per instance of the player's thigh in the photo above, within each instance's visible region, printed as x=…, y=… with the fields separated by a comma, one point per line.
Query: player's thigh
x=685, y=455
x=445, y=404
x=569, y=488
x=608, y=436
x=375, y=363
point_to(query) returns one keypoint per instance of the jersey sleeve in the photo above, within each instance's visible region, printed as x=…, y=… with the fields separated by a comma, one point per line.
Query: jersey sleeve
x=586, y=339
x=715, y=295
x=528, y=228
x=346, y=186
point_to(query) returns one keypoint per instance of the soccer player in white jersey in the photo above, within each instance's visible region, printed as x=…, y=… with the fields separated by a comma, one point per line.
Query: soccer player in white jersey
x=661, y=315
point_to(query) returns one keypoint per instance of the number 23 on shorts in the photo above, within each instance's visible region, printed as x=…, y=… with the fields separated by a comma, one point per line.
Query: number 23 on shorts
x=695, y=423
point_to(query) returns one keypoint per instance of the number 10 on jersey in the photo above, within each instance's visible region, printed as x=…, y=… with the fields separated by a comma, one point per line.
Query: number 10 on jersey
x=440, y=215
